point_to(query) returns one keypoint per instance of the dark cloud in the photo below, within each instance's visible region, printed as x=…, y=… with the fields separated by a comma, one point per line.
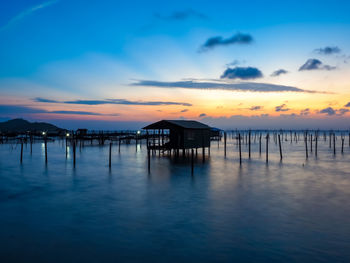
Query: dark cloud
x=315, y=64
x=182, y=15
x=342, y=111
x=23, y=110
x=347, y=104
x=238, y=38
x=328, y=50
x=254, y=108
x=81, y=113
x=279, y=72
x=281, y=108
x=329, y=111
x=243, y=86
x=202, y=115
x=115, y=101
x=184, y=110
x=305, y=112
x=241, y=73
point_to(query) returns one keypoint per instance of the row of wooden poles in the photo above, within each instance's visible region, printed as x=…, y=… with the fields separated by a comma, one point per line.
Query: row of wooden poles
x=309, y=138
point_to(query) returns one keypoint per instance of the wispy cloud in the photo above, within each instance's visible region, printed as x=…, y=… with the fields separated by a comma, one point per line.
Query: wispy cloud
x=278, y=72
x=26, y=13
x=219, y=85
x=238, y=38
x=113, y=101
x=315, y=64
x=255, y=108
x=329, y=111
x=24, y=110
x=182, y=15
x=281, y=108
x=328, y=50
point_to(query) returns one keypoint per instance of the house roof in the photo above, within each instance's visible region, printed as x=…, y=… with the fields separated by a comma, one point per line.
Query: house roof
x=167, y=124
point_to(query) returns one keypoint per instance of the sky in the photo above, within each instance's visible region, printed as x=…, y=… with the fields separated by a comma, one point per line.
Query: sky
x=123, y=64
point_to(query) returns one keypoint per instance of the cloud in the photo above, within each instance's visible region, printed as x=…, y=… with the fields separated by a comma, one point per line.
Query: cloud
x=328, y=50
x=26, y=13
x=342, y=111
x=202, y=115
x=315, y=64
x=219, y=85
x=23, y=110
x=238, y=38
x=184, y=110
x=347, y=104
x=305, y=112
x=82, y=113
x=182, y=15
x=236, y=62
x=241, y=73
x=254, y=108
x=114, y=101
x=329, y=111
x=281, y=108
x=278, y=72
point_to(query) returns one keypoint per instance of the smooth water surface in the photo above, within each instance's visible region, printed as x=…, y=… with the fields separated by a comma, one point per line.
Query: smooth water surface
x=296, y=210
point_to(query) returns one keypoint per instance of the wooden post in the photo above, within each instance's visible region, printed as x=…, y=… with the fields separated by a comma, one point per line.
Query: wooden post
x=45, y=149
x=192, y=161
x=21, y=151
x=110, y=155
x=279, y=142
x=260, y=144
x=306, y=151
x=240, y=148
x=31, y=144
x=334, y=143
x=342, y=145
x=316, y=139
x=74, y=153
x=267, y=148
x=310, y=142
x=66, y=146
x=249, y=135
x=119, y=145
x=225, y=143
x=149, y=158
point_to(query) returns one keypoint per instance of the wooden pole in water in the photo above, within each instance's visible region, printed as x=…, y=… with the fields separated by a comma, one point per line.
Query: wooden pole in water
x=192, y=161
x=110, y=155
x=316, y=139
x=31, y=144
x=342, y=145
x=240, y=148
x=74, y=153
x=310, y=142
x=334, y=143
x=225, y=143
x=149, y=158
x=279, y=142
x=306, y=151
x=66, y=146
x=45, y=149
x=249, y=135
x=119, y=145
x=21, y=150
x=260, y=144
x=267, y=148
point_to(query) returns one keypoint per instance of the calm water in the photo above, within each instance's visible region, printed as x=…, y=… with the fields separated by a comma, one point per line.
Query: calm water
x=290, y=211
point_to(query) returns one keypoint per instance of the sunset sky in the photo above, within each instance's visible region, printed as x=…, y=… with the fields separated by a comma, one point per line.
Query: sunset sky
x=122, y=64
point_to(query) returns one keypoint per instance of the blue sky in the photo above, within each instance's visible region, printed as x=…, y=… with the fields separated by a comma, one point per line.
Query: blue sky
x=75, y=50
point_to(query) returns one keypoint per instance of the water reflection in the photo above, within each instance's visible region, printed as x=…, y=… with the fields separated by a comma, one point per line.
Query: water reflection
x=294, y=210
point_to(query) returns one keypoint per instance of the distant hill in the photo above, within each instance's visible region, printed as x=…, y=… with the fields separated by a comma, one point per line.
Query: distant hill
x=20, y=125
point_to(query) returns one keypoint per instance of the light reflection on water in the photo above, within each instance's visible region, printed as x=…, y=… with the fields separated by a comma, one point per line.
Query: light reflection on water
x=294, y=210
